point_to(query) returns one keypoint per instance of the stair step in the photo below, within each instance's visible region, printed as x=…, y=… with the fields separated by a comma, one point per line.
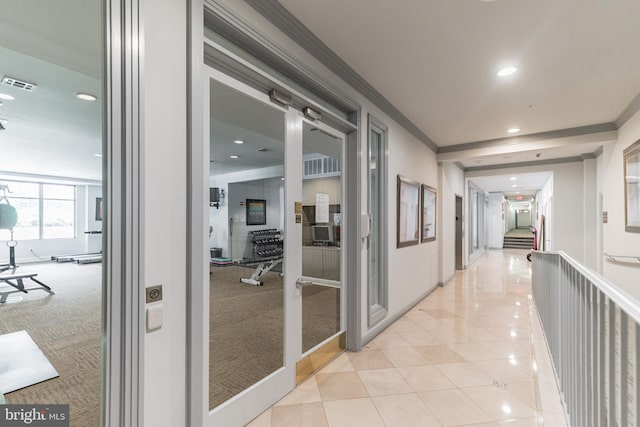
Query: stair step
x=517, y=242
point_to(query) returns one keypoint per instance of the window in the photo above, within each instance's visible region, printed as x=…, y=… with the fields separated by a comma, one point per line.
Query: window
x=45, y=211
x=377, y=241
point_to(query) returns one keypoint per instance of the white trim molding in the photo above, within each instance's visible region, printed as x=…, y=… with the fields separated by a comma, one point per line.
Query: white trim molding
x=123, y=281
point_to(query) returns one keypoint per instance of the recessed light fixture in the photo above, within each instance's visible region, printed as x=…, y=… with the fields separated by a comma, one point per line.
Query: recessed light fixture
x=97, y=155
x=234, y=156
x=238, y=141
x=513, y=178
x=517, y=192
x=86, y=96
x=507, y=71
x=514, y=130
x=514, y=186
x=6, y=96
x=282, y=178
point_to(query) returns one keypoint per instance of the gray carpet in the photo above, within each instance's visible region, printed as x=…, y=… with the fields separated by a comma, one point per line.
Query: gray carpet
x=66, y=328
x=246, y=334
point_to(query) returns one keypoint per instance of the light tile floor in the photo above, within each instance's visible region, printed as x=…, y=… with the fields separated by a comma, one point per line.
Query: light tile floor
x=470, y=354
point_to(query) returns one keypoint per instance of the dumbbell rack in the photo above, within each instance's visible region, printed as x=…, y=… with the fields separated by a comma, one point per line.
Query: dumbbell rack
x=267, y=253
x=266, y=243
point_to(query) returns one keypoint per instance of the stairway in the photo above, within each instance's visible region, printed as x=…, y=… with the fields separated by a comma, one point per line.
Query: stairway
x=518, y=242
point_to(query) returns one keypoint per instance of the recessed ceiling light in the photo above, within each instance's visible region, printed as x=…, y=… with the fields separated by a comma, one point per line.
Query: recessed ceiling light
x=514, y=186
x=514, y=130
x=98, y=155
x=86, y=96
x=238, y=141
x=507, y=71
x=6, y=96
x=282, y=178
x=234, y=156
x=513, y=178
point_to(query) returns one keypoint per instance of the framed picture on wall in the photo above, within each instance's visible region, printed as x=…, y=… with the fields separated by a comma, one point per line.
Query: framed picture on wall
x=428, y=214
x=256, y=211
x=632, y=187
x=408, y=212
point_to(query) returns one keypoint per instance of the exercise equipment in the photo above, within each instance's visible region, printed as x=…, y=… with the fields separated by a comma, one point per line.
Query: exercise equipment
x=267, y=253
x=8, y=220
x=263, y=266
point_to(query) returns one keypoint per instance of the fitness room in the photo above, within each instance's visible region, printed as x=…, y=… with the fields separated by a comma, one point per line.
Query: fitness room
x=51, y=207
x=247, y=242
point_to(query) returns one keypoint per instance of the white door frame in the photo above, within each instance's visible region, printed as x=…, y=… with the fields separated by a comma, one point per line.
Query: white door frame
x=123, y=230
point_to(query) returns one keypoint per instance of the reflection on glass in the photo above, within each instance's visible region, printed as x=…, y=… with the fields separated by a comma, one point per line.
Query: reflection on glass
x=246, y=309
x=321, y=235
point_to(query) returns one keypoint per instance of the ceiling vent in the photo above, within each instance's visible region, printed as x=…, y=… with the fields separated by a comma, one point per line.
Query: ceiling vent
x=9, y=81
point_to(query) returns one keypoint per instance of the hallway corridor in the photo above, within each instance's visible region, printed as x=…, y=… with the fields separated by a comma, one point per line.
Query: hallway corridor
x=470, y=354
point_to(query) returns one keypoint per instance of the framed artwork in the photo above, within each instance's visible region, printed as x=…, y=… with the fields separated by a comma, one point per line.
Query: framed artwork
x=632, y=188
x=98, y=208
x=256, y=211
x=428, y=220
x=408, y=212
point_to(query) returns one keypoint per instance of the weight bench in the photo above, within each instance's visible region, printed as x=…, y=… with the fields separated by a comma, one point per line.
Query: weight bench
x=264, y=265
x=17, y=281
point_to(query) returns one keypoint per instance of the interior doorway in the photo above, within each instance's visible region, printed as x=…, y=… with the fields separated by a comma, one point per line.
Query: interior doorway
x=277, y=208
x=459, y=232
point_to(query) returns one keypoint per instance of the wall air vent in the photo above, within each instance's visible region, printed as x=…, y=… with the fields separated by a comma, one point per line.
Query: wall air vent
x=9, y=81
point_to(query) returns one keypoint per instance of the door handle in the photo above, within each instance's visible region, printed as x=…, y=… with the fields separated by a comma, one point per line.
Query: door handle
x=300, y=282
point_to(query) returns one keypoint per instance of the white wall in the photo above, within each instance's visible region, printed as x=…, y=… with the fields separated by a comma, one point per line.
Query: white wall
x=413, y=270
x=165, y=131
x=511, y=223
x=544, y=200
x=219, y=217
x=495, y=231
x=615, y=239
x=590, y=214
x=268, y=190
x=567, y=204
x=451, y=183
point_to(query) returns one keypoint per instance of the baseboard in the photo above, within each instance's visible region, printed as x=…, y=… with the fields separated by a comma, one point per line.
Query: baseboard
x=446, y=282
x=384, y=324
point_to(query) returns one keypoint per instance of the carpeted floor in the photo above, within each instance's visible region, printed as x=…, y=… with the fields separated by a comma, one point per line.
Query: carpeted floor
x=66, y=327
x=246, y=331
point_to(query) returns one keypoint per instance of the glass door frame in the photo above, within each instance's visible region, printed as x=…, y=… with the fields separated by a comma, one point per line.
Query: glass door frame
x=344, y=210
x=268, y=390
x=263, y=393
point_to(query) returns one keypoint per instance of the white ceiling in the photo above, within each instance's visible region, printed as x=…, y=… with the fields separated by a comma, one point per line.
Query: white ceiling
x=526, y=184
x=434, y=60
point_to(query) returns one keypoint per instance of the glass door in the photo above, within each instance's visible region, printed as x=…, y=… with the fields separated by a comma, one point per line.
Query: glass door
x=248, y=367
x=274, y=288
x=320, y=284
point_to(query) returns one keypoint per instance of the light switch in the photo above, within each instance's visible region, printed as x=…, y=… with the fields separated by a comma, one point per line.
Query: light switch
x=154, y=317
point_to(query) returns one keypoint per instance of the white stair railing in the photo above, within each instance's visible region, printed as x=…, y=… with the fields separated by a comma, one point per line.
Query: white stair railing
x=593, y=333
